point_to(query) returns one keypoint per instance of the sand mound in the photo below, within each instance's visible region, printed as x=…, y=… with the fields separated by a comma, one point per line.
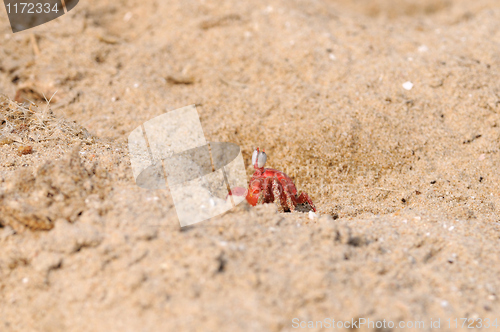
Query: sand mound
x=36, y=124
x=57, y=190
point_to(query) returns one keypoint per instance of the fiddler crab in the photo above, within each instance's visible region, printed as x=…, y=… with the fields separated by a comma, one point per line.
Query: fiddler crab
x=269, y=185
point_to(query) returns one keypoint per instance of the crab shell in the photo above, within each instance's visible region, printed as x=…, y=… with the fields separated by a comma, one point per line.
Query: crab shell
x=257, y=184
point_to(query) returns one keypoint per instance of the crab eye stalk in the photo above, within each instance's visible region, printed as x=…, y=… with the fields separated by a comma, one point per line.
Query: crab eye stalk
x=261, y=159
x=254, y=156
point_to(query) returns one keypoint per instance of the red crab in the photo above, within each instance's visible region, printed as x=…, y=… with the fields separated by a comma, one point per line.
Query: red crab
x=266, y=184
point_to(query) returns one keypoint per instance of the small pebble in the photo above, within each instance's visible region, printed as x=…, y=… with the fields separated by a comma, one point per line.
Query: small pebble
x=423, y=48
x=312, y=215
x=127, y=16
x=22, y=150
x=408, y=85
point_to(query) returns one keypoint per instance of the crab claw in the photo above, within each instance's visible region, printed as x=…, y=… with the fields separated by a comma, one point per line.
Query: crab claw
x=237, y=191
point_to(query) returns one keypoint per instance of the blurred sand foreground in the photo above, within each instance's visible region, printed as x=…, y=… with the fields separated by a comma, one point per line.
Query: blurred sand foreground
x=405, y=180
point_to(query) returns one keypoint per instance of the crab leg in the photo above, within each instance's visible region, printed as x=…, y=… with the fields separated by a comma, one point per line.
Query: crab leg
x=261, y=197
x=289, y=199
x=265, y=190
x=277, y=196
x=305, y=198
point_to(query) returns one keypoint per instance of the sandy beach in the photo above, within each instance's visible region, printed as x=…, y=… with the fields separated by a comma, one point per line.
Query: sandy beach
x=386, y=113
